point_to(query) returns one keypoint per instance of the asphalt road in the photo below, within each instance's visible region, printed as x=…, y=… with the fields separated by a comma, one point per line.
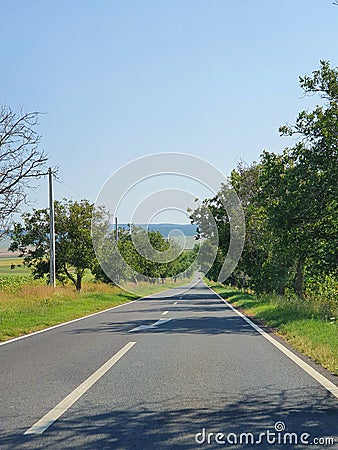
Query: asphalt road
x=199, y=369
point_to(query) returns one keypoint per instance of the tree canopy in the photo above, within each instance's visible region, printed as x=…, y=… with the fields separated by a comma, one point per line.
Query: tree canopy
x=290, y=200
x=73, y=245
x=139, y=255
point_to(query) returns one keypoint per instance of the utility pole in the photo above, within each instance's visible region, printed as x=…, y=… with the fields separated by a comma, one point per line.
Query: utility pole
x=116, y=230
x=51, y=229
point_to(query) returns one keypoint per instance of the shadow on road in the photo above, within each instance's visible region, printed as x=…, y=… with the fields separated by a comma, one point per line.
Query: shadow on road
x=170, y=425
x=208, y=295
x=196, y=325
x=180, y=307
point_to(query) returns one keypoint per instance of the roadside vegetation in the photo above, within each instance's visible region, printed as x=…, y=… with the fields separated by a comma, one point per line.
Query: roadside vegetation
x=74, y=248
x=27, y=306
x=305, y=325
x=289, y=262
x=290, y=205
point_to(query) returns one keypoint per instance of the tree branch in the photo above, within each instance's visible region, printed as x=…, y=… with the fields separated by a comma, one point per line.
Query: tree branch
x=20, y=160
x=69, y=275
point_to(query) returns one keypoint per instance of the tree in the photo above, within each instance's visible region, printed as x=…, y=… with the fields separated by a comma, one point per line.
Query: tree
x=258, y=267
x=151, y=256
x=109, y=267
x=213, y=229
x=300, y=185
x=138, y=255
x=20, y=161
x=285, y=196
x=73, y=245
x=289, y=199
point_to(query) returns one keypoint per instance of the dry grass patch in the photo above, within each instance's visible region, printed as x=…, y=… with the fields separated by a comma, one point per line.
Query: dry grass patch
x=31, y=307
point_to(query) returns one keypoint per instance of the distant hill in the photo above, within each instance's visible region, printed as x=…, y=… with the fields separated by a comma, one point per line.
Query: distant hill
x=166, y=228
x=5, y=242
x=188, y=230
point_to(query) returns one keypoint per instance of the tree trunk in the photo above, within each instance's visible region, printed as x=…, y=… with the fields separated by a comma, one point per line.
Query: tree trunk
x=281, y=290
x=78, y=284
x=134, y=278
x=299, y=279
x=77, y=281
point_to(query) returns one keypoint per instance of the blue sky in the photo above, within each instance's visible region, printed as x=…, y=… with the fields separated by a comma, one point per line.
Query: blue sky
x=121, y=79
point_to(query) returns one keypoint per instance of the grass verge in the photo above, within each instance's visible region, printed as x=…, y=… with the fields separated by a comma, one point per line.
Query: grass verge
x=314, y=337
x=34, y=307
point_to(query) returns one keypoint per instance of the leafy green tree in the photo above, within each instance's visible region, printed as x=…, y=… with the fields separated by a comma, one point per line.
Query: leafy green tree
x=259, y=268
x=299, y=187
x=289, y=199
x=145, y=259
x=213, y=230
x=138, y=255
x=183, y=266
x=109, y=266
x=73, y=245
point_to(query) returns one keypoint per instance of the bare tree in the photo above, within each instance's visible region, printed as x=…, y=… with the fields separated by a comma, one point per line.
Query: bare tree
x=20, y=161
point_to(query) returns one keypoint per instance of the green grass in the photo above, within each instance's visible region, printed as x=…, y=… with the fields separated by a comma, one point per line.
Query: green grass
x=32, y=307
x=32, y=312
x=297, y=323
x=11, y=283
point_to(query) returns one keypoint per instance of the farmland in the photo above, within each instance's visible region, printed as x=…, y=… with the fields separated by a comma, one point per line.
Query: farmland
x=12, y=266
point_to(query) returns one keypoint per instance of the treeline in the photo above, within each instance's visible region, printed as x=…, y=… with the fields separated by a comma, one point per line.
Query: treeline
x=112, y=262
x=290, y=202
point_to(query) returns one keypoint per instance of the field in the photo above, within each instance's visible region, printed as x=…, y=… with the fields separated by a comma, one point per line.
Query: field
x=12, y=266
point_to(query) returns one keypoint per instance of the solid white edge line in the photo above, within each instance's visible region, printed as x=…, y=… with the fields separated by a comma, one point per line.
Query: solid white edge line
x=54, y=414
x=328, y=385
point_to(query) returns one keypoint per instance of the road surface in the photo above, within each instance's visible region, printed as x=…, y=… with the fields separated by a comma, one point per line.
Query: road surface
x=177, y=370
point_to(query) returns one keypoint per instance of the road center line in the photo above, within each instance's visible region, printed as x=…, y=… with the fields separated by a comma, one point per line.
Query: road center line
x=148, y=327
x=328, y=385
x=47, y=420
